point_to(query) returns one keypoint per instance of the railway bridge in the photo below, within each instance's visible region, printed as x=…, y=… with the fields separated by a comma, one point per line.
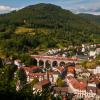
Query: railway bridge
x=53, y=60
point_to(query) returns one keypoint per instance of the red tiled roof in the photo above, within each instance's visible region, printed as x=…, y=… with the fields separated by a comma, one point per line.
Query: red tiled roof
x=76, y=84
x=31, y=68
x=71, y=69
x=61, y=89
x=39, y=74
x=26, y=68
x=36, y=74
x=97, y=44
x=43, y=82
x=34, y=67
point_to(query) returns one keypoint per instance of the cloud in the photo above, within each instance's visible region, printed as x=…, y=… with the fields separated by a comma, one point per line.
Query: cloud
x=6, y=9
x=82, y=6
x=92, y=7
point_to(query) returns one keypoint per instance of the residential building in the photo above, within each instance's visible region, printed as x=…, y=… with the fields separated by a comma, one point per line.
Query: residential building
x=42, y=84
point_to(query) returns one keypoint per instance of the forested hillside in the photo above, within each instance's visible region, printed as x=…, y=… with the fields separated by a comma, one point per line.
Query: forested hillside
x=90, y=17
x=44, y=26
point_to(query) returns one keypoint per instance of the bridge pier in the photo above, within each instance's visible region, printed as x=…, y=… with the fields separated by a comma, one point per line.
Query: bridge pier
x=38, y=63
x=58, y=63
x=44, y=64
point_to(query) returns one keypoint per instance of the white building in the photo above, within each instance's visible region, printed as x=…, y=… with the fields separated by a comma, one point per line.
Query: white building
x=83, y=49
x=92, y=53
x=85, y=94
x=96, y=70
x=97, y=51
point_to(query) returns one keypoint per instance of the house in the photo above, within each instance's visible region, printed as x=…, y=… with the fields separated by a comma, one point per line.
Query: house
x=18, y=63
x=32, y=69
x=60, y=90
x=94, y=78
x=31, y=76
x=8, y=61
x=96, y=70
x=76, y=85
x=78, y=68
x=55, y=76
x=92, y=54
x=42, y=85
x=71, y=69
x=97, y=51
x=51, y=76
x=83, y=90
x=91, y=90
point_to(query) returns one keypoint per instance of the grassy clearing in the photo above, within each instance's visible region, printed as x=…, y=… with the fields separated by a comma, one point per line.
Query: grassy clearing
x=21, y=30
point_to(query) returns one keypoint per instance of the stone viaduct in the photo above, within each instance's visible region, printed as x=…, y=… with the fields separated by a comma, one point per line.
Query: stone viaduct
x=53, y=60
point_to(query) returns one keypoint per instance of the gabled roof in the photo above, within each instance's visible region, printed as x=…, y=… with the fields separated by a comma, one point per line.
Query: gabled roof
x=60, y=89
x=43, y=82
x=36, y=74
x=77, y=84
x=30, y=68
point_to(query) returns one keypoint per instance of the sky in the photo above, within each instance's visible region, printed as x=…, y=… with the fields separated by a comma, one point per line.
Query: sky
x=76, y=6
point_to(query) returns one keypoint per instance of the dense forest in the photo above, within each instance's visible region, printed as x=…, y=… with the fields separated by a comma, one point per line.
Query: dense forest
x=43, y=26
x=93, y=18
